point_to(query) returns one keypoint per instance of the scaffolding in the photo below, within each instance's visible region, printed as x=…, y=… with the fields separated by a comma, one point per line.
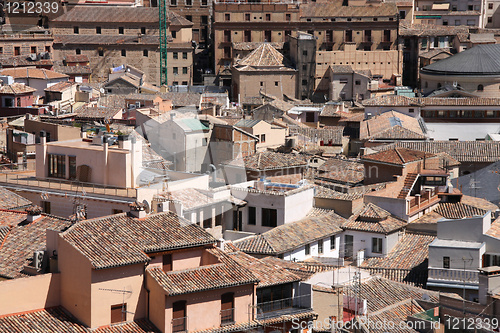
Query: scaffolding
x=163, y=20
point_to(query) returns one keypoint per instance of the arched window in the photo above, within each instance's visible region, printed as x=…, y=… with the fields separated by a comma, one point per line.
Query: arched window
x=480, y=87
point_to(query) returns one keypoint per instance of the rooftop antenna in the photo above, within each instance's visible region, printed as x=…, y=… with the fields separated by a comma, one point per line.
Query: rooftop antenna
x=123, y=292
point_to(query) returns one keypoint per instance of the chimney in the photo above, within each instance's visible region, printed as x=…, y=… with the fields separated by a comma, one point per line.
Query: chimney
x=43, y=138
x=83, y=132
x=137, y=210
x=172, y=115
x=105, y=152
x=489, y=283
x=34, y=213
x=124, y=142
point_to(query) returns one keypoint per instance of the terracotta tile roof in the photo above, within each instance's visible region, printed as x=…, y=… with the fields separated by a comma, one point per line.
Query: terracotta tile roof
x=329, y=134
x=494, y=230
x=226, y=273
x=16, y=89
x=239, y=327
x=391, y=125
x=381, y=293
x=327, y=193
x=410, y=251
x=335, y=9
x=269, y=274
x=58, y=320
x=407, y=29
x=117, y=240
x=98, y=112
x=397, y=156
x=374, y=219
x=264, y=57
x=479, y=203
x=306, y=313
x=458, y=210
x=60, y=86
x=103, y=14
x=462, y=151
x=330, y=110
x=30, y=72
x=341, y=165
x=23, y=239
x=397, y=100
x=250, y=46
x=397, y=315
x=296, y=268
x=290, y=236
x=268, y=160
x=11, y=200
x=24, y=61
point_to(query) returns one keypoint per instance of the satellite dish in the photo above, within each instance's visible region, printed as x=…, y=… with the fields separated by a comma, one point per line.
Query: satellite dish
x=426, y=297
x=102, y=90
x=146, y=206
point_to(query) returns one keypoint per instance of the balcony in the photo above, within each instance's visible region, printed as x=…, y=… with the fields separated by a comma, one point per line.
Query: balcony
x=423, y=201
x=455, y=276
x=282, y=307
x=227, y=317
x=179, y=324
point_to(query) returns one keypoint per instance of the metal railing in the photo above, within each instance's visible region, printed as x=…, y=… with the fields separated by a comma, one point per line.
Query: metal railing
x=66, y=185
x=283, y=306
x=179, y=324
x=227, y=317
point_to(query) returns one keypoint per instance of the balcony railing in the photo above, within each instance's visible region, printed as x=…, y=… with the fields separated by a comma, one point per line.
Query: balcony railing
x=425, y=200
x=285, y=306
x=179, y=324
x=227, y=317
x=454, y=275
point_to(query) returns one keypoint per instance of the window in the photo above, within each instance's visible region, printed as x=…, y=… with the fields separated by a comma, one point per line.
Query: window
x=175, y=55
x=76, y=30
x=78, y=51
x=45, y=206
x=320, y=246
x=121, y=30
x=358, y=82
x=376, y=245
x=124, y=53
x=184, y=55
x=268, y=17
x=267, y=36
x=252, y=218
x=480, y=87
x=261, y=83
x=167, y=262
x=227, y=52
x=490, y=6
x=204, y=3
x=269, y=217
x=304, y=67
x=471, y=22
x=72, y=167
x=348, y=36
x=57, y=166
x=143, y=30
x=189, y=18
x=288, y=32
x=247, y=17
x=179, y=322
x=185, y=83
x=288, y=17
x=332, y=242
x=17, y=50
x=262, y=138
x=1, y=50
x=227, y=17
x=411, y=110
x=174, y=34
x=145, y=53
x=402, y=14
x=204, y=19
x=227, y=309
x=227, y=36
x=98, y=30
x=184, y=70
x=446, y=262
x=175, y=70
x=304, y=82
x=173, y=2
x=189, y=3
x=118, y=313
x=368, y=36
x=276, y=83
x=304, y=52
x=247, y=36
x=308, y=249
x=457, y=22
x=490, y=19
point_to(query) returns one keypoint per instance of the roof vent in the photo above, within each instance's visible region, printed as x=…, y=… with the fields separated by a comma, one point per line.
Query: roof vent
x=34, y=213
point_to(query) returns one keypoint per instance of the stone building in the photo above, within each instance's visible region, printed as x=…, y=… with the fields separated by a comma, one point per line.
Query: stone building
x=111, y=37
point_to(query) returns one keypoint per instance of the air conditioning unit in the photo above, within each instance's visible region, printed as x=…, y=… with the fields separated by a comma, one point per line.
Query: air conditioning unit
x=38, y=257
x=33, y=57
x=131, y=106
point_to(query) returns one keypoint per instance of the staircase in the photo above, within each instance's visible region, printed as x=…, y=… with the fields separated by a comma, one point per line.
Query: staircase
x=408, y=184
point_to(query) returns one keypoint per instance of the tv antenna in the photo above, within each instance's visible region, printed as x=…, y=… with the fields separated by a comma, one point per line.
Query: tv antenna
x=123, y=292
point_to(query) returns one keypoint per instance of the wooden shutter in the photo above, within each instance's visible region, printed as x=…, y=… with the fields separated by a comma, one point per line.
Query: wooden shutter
x=167, y=262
